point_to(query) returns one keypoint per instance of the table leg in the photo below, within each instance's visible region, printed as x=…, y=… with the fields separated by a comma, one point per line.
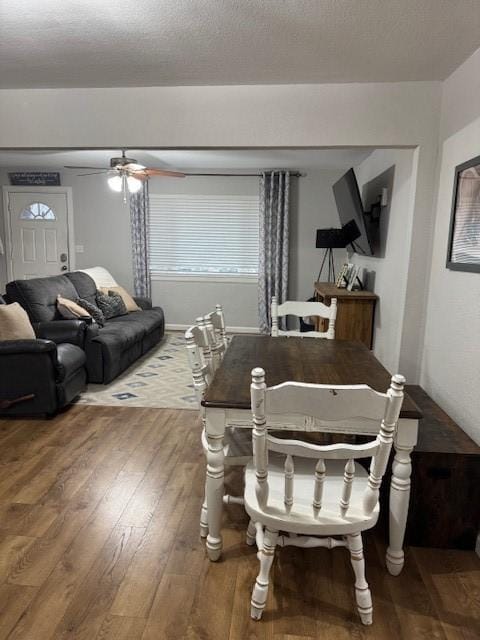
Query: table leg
x=215, y=491
x=399, y=500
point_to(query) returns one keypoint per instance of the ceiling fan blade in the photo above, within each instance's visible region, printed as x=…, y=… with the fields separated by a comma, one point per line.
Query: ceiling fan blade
x=69, y=166
x=94, y=173
x=158, y=172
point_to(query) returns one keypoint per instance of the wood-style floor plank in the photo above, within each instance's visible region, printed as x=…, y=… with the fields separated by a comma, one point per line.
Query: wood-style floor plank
x=85, y=614
x=99, y=540
x=121, y=628
x=14, y=600
x=171, y=608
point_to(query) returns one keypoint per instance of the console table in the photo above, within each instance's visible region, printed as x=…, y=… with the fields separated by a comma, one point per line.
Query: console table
x=355, y=312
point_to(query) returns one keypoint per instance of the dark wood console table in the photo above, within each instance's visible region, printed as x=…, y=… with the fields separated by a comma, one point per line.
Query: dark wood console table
x=355, y=312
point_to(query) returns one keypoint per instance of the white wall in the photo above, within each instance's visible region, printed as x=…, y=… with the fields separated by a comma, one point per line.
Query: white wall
x=312, y=207
x=451, y=356
x=365, y=114
x=391, y=270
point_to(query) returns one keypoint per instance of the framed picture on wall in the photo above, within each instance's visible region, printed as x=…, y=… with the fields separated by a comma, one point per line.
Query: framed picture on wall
x=464, y=237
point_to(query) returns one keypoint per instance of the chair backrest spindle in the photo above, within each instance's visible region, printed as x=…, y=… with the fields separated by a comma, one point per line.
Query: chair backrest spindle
x=348, y=476
x=319, y=481
x=289, y=476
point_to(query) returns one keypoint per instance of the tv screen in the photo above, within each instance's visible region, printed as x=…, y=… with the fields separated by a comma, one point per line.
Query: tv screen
x=350, y=208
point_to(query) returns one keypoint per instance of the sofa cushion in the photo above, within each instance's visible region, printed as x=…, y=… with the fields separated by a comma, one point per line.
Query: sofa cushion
x=146, y=321
x=14, y=323
x=70, y=310
x=125, y=334
x=95, y=312
x=38, y=296
x=129, y=302
x=84, y=285
x=111, y=305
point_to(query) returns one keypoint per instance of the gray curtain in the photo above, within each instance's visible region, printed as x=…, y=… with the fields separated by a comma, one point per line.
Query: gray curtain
x=139, y=224
x=273, y=243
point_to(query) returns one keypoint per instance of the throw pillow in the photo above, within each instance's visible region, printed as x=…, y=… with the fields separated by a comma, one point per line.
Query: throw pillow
x=130, y=303
x=111, y=305
x=14, y=323
x=70, y=310
x=93, y=310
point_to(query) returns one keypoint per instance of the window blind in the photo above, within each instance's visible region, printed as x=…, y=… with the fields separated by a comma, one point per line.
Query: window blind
x=193, y=234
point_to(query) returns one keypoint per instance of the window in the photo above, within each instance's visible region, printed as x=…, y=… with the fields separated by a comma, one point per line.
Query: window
x=37, y=211
x=204, y=235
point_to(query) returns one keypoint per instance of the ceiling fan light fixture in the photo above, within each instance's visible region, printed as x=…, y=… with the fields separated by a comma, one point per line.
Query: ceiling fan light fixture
x=134, y=184
x=115, y=183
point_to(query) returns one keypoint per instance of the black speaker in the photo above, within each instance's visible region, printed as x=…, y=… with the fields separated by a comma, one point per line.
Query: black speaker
x=330, y=239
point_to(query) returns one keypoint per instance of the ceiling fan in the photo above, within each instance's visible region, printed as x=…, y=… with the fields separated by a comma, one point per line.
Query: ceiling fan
x=126, y=174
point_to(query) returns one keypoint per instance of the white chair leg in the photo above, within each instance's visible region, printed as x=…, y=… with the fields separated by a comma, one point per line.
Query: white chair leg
x=204, y=517
x=251, y=533
x=362, y=592
x=260, y=590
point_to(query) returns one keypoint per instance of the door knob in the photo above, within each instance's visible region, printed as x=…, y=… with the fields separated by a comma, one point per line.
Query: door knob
x=64, y=268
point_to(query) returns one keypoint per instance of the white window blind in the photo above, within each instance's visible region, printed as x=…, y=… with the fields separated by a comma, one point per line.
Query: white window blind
x=204, y=235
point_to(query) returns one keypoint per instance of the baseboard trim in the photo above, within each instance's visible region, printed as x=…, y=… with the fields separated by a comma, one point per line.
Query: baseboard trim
x=184, y=327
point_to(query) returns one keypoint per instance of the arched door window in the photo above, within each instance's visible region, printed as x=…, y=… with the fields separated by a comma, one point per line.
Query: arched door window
x=37, y=211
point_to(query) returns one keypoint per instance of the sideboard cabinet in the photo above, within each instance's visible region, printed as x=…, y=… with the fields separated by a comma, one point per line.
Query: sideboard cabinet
x=355, y=312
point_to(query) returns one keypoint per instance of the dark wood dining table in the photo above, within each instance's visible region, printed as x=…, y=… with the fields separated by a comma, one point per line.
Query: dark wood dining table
x=313, y=360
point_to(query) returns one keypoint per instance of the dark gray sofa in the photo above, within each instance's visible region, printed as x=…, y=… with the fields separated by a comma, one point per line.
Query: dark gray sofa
x=110, y=349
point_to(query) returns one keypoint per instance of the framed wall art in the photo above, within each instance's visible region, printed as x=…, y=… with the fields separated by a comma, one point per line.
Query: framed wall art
x=464, y=238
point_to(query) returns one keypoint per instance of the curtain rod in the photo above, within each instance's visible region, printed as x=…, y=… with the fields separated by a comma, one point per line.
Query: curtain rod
x=295, y=174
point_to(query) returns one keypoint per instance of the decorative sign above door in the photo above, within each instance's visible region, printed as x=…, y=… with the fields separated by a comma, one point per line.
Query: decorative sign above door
x=34, y=178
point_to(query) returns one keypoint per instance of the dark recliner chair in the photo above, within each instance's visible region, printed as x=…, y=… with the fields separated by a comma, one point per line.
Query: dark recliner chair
x=41, y=376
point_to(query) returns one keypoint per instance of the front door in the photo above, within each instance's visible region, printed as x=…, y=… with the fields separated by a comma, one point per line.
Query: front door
x=37, y=235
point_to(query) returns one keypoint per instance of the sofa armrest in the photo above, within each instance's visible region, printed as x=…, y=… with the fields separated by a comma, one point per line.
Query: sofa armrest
x=72, y=331
x=19, y=347
x=143, y=303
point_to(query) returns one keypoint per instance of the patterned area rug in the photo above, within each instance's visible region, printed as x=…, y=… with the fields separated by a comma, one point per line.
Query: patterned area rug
x=162, y=378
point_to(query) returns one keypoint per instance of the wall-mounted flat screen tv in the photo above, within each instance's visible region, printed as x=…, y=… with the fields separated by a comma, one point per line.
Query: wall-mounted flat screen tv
x=350, y=207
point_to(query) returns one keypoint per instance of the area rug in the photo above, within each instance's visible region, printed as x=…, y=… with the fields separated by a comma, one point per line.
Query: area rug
x=160, y=379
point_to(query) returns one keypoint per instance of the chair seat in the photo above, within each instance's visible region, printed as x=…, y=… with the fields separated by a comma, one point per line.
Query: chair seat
x=301, y=518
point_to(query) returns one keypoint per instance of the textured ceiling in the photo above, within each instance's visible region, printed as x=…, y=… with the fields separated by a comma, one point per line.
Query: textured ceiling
x=87, y=43
x=193, y=160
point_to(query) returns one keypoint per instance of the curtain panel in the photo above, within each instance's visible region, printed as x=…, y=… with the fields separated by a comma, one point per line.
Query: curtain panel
x=139, y=225
x=273, y=243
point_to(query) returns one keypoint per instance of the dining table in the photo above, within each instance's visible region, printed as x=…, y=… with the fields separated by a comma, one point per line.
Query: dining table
x=319, y=361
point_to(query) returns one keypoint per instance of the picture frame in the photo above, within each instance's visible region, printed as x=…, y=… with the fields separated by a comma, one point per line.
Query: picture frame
x=463, y=251
x=352, y=276
x=340, y=282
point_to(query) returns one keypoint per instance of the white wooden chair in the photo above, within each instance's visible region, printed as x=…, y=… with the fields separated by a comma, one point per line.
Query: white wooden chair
x=301, y=310
x=238, y=443
x=324, y=494
x=213, y=324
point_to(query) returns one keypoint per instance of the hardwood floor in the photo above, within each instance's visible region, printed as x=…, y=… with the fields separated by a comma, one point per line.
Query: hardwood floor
x=99, y=540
